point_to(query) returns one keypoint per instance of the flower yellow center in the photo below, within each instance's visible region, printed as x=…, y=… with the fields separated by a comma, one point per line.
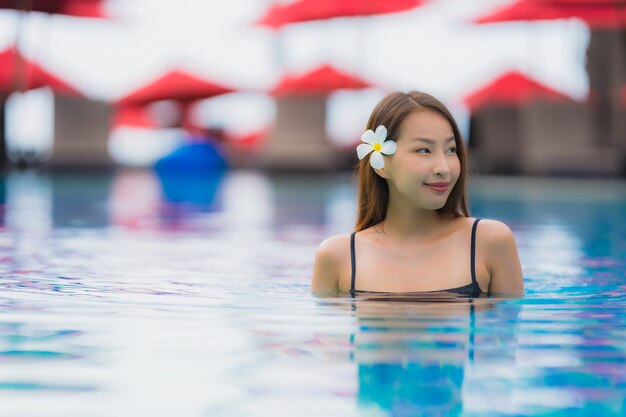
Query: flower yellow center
x=378, y=147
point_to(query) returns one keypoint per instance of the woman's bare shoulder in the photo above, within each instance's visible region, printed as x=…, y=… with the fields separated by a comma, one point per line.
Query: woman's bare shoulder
x=330, y=259
x=494, y=232
x=502, y=258
x=334, y=248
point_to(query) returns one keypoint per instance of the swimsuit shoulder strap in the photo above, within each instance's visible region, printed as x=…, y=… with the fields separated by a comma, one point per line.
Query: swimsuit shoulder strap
x=473, y=254
x=352, y=260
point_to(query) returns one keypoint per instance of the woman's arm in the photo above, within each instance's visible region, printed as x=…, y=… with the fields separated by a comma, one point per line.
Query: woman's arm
x=327, y=267
x=503, y=262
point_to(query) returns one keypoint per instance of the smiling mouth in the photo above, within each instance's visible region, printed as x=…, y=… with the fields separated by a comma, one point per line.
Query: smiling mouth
x=439, y=187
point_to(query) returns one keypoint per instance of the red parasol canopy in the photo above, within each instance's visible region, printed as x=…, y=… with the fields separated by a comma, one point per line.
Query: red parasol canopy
x=513, y=88
x=133, y=116
x=175, y=85
x=306, y=10
x=596, y=13
x=249, y=140
x=321, y=81
x=623, y=96
x=78, y=8
x=32, y=74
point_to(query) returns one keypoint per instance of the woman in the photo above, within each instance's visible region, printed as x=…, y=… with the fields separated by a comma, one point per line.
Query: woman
x=413, y=232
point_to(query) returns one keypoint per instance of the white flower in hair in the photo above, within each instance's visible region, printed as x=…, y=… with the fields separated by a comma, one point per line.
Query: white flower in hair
x=375, y=141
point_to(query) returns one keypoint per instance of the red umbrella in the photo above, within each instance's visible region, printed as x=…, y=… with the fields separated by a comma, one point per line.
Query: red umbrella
x=321, y=81
x=175, y=85
x=513, y=88
x=31, y=75
x=623, y=96
x=133, y=116
x=596, y=13
x=305, y=10
x=249, y=140
x=78, y=8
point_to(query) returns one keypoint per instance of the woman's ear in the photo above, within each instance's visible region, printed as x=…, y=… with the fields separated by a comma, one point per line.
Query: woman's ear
x=382, y=172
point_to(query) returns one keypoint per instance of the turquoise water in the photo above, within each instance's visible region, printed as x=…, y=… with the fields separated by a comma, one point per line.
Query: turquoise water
x=130, y=294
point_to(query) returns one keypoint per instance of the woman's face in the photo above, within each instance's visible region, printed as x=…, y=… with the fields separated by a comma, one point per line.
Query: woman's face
x=425, y=167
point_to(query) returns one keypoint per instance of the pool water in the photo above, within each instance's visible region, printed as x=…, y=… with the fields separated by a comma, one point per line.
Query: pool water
x=129, y=294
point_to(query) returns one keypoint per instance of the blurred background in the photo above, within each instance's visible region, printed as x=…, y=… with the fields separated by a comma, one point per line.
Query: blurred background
x=170, y=166
x=538, y=86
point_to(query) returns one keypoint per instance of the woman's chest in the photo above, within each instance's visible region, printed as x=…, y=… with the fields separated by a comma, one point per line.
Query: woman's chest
x=438, y=266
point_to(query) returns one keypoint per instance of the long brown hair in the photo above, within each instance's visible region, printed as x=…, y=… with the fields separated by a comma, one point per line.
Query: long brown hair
x=373, y=192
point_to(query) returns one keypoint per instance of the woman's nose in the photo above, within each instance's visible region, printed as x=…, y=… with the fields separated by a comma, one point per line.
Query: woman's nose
x=441, y=166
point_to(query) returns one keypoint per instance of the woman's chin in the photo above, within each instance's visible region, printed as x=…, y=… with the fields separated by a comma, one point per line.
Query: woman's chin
x=432, y=206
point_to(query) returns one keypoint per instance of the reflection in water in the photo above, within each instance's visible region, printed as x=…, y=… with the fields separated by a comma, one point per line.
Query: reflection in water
x=489, y=358
x=188, y=193
x=412, y=355
x=145, y=200
x=3, y=199
x=570, y=232
x=340, y=209
x=193, y=188
x=135, y=200
x=113, y=293
x=555, y=252
x=80, y=200
x=299, y=201
x=248, y=201
x=35, y=347
x=28, y=202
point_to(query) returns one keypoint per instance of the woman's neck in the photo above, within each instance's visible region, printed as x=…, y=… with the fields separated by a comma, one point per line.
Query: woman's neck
x=406, y=222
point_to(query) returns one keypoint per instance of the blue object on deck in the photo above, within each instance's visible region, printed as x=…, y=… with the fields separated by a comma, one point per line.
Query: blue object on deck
x=198, y=158
x=192, y=173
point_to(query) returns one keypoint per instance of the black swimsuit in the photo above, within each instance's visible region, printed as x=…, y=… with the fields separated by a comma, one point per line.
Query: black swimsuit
x=469, y=290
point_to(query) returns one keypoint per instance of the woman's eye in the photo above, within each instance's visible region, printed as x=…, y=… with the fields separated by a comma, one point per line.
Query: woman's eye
x=424, y=150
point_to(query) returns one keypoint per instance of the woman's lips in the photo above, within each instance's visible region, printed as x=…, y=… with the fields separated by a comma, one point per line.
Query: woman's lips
x=439, y=187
